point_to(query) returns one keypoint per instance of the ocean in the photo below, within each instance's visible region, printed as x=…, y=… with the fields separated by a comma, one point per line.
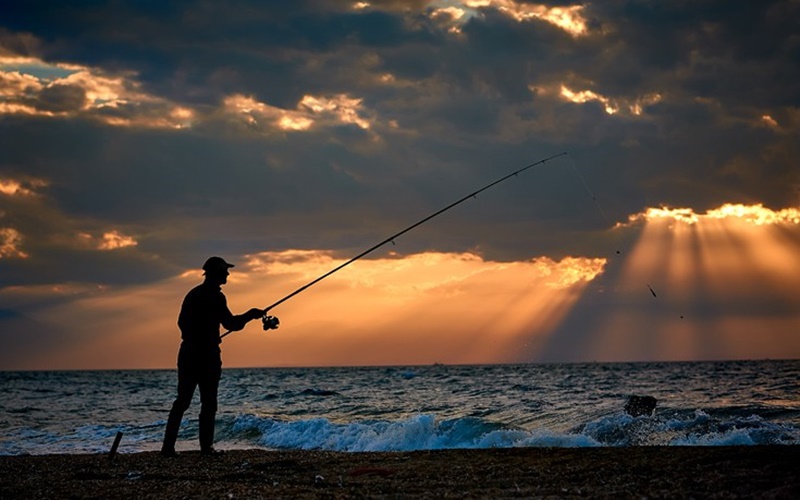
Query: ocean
x=411, y=408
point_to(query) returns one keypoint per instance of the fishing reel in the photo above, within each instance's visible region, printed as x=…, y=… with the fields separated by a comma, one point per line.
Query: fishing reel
x=270, y=322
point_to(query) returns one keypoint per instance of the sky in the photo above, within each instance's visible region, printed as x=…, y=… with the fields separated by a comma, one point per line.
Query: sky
x=139, y=138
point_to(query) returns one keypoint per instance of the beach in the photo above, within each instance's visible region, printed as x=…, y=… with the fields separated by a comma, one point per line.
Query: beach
x=625, y=472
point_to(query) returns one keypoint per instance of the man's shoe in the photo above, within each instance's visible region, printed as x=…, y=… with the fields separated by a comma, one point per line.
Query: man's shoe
x=169, y=452
x=211, y=452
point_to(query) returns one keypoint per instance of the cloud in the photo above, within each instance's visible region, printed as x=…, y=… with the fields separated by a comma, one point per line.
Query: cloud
x=41, y=244
x=311, y=111
x=611, y=106
x=110, y=240
x=11, y=243
x=753, y=214
x=21, y=186
x=568, y=18
x=724, y=284
x=132, y=148
x=15, y=84
x=82, y=92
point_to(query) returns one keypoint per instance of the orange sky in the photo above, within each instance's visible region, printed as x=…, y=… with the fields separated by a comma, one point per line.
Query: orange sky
x=726, y=281
x=130, y=155
x=423, y=308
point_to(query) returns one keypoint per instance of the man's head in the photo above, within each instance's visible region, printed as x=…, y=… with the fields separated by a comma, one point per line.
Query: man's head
x=216, y=270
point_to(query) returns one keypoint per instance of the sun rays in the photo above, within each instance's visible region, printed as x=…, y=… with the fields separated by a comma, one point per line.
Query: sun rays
x=724, y=285
x=726, y=282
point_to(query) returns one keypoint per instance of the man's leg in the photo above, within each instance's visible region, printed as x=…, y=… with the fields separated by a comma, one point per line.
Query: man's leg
x=187, y=381
x=209, y=384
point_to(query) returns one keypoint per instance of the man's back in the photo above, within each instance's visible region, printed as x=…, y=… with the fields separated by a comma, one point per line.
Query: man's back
x=204, y=309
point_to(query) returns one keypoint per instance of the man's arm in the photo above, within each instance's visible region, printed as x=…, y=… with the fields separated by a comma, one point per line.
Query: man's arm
x=237, y=322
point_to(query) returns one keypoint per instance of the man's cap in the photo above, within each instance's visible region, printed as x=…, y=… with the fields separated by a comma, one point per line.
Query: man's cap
x=216, y=264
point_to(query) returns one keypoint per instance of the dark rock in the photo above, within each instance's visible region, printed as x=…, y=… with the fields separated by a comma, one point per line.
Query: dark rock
x=637, y=406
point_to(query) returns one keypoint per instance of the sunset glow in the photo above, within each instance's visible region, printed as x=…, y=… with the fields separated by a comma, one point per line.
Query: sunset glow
x=662, y=220
x=753, y=214
x=422, y=308
x=699, y=264
x=683, y=271
x=459, y=306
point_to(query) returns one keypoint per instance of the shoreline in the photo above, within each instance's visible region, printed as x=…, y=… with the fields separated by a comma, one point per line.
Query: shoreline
x=652, y=472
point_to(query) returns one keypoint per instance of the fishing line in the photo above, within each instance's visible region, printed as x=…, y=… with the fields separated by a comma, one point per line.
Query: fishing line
x=602, y=212
x=588, y=190
x=270, y=322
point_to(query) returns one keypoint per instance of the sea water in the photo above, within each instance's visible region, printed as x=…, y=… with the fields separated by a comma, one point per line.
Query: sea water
x=411, y=408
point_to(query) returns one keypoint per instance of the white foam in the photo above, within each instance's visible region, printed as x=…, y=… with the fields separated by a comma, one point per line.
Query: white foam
x=419, y=432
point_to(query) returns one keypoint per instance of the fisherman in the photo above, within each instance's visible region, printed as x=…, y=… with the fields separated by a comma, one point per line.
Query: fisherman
x=199, y=362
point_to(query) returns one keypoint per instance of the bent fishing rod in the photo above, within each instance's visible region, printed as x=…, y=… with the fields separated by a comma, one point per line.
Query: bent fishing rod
x=271, y=322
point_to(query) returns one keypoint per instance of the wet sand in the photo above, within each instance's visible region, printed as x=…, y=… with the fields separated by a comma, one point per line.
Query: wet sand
x=641, y=472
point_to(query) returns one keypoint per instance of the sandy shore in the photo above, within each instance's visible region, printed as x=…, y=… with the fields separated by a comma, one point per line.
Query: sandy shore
x=641, y=472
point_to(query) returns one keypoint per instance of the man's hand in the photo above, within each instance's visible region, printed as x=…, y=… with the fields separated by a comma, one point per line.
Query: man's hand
x=254, y=313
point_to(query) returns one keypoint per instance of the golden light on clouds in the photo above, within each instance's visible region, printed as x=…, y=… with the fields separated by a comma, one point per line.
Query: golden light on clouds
x=344, y=108
x=26, y=194
x=12, y=108
x=110, y=240
x=452, y=13
x=421, y=308
x=754, y=214
x=569, y=19
x=33, y=87
x=13, y=83
x=769, y=121
x=10, y=244
x=685, y=215
x=631, y=107
x=101, y=90
x=16, y=187
x=256, y=113
x=182, y=117
x=10, y=238
x=586, y=96
x=311, y=111
x=113, y=240
x=289, y=122
x=725, y=284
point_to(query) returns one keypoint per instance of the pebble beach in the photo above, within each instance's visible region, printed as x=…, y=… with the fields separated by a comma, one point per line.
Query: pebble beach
x=628, y=472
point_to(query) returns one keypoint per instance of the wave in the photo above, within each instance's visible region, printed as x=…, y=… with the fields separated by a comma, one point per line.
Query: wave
x=426, y=432
x=418, y=432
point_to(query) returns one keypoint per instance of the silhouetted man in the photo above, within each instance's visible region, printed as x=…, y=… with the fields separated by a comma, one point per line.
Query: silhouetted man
x=199, y=362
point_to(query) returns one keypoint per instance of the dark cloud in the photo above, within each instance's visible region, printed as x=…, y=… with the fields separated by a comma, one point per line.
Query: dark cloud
x=199, y=51
x=448, y=114
x=60, y=98
x=722, y=50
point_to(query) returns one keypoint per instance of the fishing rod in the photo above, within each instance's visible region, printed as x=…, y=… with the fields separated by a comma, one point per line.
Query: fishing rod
x=271, y=322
